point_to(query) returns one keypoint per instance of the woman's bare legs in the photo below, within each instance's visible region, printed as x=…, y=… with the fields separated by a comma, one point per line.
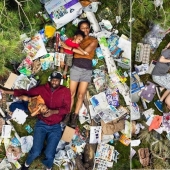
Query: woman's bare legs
x=166, y=93
x=159, y=103
x=65, y=71
x=167, y=101
x=80, y=95
x=73, y=88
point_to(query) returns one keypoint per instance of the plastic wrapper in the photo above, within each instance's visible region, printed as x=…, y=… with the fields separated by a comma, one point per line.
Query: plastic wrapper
x=25, y=66
x=28, y=129
x=94, y=62
x=5, y=165
x=99, y=53
x=26, y=143
x=106, y=13
x=22, y=82
x=49, y=31
x=92, y=7
x=107, y=24
x=94, y=23
x=83, y=115
x=154, y=37
x=13, y=153
x=47, y=60
x=106, y=52
x=112, y=96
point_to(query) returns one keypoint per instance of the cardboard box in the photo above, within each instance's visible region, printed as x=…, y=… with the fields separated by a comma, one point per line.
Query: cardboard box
x=68, y=134
x=63, y=11
x=11, y=79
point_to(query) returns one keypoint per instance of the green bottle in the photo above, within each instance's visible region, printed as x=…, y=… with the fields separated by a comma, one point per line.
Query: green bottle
x=68, y=81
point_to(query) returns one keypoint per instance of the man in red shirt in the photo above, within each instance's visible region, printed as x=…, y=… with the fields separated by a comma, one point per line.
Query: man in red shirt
x=58, y=100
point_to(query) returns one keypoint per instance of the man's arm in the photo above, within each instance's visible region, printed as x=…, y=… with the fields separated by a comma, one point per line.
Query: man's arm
x=65, y=108
x=66, y=104
x=11, y=92
x=19, y=92
x=50, y=112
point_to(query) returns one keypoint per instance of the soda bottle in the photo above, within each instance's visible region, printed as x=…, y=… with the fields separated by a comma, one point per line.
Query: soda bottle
x=68, y=81
x=57, y=42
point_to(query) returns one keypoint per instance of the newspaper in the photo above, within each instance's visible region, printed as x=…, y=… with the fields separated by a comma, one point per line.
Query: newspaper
x=104, y=152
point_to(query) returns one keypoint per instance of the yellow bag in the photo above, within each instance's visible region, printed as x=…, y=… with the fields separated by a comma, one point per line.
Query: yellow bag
x=49, y=31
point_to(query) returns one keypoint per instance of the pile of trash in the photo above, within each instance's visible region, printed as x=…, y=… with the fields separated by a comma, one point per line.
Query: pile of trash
x=146, y=119
x=104, y=119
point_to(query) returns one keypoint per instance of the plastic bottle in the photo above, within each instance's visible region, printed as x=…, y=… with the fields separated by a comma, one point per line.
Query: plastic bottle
x=57, y=42
x=68, y=81
x=144, y=103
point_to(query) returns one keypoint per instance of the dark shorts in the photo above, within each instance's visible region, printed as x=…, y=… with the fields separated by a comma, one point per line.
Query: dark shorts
x=22, y=105
x=68, y=59
x=80, y=74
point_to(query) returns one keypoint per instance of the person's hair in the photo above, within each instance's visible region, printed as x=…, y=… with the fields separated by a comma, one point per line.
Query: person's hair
x=83, y=22
x=79, y=32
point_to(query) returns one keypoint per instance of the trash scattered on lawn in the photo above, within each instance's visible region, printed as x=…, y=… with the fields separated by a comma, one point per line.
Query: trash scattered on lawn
x=105, y=119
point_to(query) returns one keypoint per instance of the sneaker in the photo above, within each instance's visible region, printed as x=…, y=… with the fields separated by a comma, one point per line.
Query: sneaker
x=159, y=105
x=66, y=120
x=24, y=167
x=74, y=118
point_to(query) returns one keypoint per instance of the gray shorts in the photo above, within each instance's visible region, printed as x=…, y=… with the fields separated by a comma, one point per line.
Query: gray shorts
x=80, y=74
x=163, y=81
x=68, y=59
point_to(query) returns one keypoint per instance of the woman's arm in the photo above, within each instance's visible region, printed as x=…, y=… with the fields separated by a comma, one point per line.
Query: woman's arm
x=91, y=46
x=168, y=45
x=88, y=49
x=84, y=52
x=164, y=60
x=63, y=45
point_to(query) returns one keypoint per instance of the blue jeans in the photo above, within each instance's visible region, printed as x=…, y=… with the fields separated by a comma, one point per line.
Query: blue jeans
x=23, y=105
x=52, y=135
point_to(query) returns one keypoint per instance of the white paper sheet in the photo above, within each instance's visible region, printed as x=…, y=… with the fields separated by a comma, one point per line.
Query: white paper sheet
x=95, y=134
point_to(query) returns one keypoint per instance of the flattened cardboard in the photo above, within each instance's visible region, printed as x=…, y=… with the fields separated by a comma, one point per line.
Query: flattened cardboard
x=68, y=134
x=10, y=81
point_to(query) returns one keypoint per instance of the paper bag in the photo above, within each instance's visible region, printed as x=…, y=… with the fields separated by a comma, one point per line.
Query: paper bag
x=11, y=79
x=68, y=134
